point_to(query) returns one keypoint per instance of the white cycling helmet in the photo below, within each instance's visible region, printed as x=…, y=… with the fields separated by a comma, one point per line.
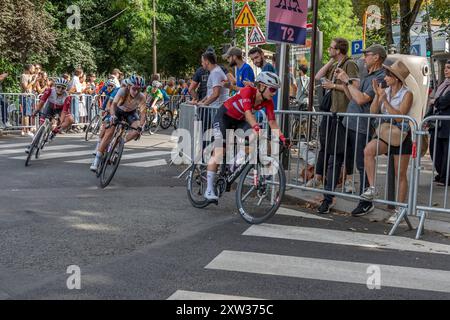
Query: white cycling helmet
x=156, y=84
x=61, y=82
x=270, y=79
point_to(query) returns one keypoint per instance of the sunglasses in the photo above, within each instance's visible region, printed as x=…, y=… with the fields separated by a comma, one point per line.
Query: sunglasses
x=273, y=90
x=60, y=87
x=135, y=88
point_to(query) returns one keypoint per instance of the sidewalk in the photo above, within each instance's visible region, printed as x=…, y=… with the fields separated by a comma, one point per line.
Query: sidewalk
x=437, y=222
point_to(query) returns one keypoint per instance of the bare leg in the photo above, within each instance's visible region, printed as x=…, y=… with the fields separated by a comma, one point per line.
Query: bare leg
x=370, y=152
x=402, y=176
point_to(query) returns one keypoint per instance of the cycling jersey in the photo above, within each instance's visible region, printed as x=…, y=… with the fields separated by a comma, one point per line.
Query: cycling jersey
x=56, y=102
x=130, y=104
x=155, y=95
x=243, y=101
x=109, y=96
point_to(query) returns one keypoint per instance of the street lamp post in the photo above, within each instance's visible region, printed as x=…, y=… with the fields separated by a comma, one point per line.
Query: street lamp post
x=155, y=68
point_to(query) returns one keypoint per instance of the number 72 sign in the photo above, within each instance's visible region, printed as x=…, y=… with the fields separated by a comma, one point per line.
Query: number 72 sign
x=286, y=21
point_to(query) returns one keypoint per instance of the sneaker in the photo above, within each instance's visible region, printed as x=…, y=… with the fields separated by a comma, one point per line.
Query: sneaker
x=314, y=183
x=348, y=186
x=324, y=208
x=394, y=216
x=94, y=165
x=7, y=124
x=363, y=208
x=30, y=134
x=369, y=194
x=209, y=195
x=27, y=149
x=2, y=125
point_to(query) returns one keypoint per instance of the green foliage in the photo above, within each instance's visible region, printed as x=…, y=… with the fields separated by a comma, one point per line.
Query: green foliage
x=10, y=84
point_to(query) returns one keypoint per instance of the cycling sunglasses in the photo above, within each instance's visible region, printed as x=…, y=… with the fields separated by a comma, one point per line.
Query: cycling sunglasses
x=60, y=87
x=273, y=90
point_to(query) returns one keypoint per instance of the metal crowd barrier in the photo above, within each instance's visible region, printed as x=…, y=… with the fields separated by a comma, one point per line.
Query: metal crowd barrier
x=16, y=110
x=83, y=108
x=176, y=100
x=323, y=137
x=429, y=198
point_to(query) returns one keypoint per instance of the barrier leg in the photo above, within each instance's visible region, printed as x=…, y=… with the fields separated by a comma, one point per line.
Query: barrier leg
x=420, y=228
x=403, y=215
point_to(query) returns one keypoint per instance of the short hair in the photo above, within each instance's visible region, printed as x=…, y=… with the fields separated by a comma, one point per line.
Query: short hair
x=78, y=71
x=29, y=66
x=255, y=50
x=448, y=62
x=210, y=56
x=342, y=45
x=303, y=68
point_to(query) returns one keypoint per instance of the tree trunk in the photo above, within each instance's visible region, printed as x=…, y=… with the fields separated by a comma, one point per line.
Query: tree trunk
x=408, y=17
x=388, y=23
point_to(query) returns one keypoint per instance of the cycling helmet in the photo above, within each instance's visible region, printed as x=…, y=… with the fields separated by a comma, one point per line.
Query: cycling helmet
x=111, y=82
x=61, y=82
x=156, y=84
x=137, y=81
x=270, y=79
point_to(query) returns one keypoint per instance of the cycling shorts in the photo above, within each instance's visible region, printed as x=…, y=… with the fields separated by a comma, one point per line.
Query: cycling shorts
x=129, y=117
x=222, y=122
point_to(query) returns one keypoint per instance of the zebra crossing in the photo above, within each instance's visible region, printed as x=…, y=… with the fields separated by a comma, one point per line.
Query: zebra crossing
x=81, y=154
x=337, y=270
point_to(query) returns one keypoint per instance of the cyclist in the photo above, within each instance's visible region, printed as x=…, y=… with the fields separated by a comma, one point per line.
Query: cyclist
x=124, y=107
x=237, y=112
x=156, y=97
x=55, y=101
x=110, y=93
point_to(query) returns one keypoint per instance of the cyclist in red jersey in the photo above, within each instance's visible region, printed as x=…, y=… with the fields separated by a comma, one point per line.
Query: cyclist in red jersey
x=56, y=100
x=237, y=113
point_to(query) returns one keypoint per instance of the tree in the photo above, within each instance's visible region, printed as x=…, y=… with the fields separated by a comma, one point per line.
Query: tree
x=408, y=16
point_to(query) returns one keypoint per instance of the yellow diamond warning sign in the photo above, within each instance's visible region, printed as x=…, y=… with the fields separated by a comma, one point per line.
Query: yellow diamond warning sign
x=246, y=18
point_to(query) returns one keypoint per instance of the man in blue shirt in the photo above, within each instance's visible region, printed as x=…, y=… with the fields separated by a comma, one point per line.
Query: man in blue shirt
x=244, y=73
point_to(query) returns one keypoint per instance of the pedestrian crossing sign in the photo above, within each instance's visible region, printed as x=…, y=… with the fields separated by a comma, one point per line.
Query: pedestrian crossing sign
x=256, y=37
x=246, y=18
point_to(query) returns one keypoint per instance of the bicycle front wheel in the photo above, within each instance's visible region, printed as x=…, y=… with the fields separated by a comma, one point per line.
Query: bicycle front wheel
x=111, y=163
x=260, y=191
x=35, y=144
x=196, y=186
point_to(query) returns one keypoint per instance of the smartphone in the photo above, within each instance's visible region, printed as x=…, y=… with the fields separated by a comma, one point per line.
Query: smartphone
x=383, y=83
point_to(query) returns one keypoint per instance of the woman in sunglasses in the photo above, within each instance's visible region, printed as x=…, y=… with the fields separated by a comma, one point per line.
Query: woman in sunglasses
x=57, y=102
x=237, y=113
x=124, y=108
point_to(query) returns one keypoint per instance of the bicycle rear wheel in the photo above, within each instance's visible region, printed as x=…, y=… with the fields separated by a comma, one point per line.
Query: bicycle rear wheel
x=152, y=126
x=260, y=191
x=93, y=128
x=166, y=117
x=111, y=163
x=196, y=186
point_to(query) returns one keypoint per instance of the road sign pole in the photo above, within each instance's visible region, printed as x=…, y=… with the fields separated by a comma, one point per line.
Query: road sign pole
x=313, y=54
x=246, y=44
x=233, y=12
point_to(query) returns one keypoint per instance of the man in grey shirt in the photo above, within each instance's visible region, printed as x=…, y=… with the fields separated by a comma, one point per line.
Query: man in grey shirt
x=358, y=128
x=216, y=94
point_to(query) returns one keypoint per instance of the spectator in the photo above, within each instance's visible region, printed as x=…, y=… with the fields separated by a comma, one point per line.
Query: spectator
x=76, y=88
x=244, y=73
x=117, y=76
x=42, y=83
x=257, y=56
x=28, y=79
x=396, y=99
x=361, y=99
x=83, y=100
x=216, y=94
x=90, y=85
x=4, y=123
x=171, y=88
x=66, y=76
x=439, y=105
x=338, y=102
x=302, y=87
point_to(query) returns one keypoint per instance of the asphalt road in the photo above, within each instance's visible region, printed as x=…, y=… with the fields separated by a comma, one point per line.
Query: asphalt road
x=141, y=239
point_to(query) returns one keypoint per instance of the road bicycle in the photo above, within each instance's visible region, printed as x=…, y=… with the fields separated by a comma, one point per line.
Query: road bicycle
x=111, y=158
x=259, y=191
x=95, y=124
x=164, y=119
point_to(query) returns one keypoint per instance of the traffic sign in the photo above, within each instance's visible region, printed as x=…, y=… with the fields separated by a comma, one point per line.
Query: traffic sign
x=357, y=47
x=246, y=18
x=256, y=36
x=286, y=21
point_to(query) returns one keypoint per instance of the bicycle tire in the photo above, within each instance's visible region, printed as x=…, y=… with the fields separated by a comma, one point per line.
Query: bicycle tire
x=197, y=176
x=246, y=214
x=153, y=127
x=115, y=155
x=92, y=128
x=166, y=118
x=34, y=144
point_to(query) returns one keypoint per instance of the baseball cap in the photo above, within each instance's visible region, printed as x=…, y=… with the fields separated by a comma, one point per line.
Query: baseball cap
x=377, y=49
x=233, y=51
